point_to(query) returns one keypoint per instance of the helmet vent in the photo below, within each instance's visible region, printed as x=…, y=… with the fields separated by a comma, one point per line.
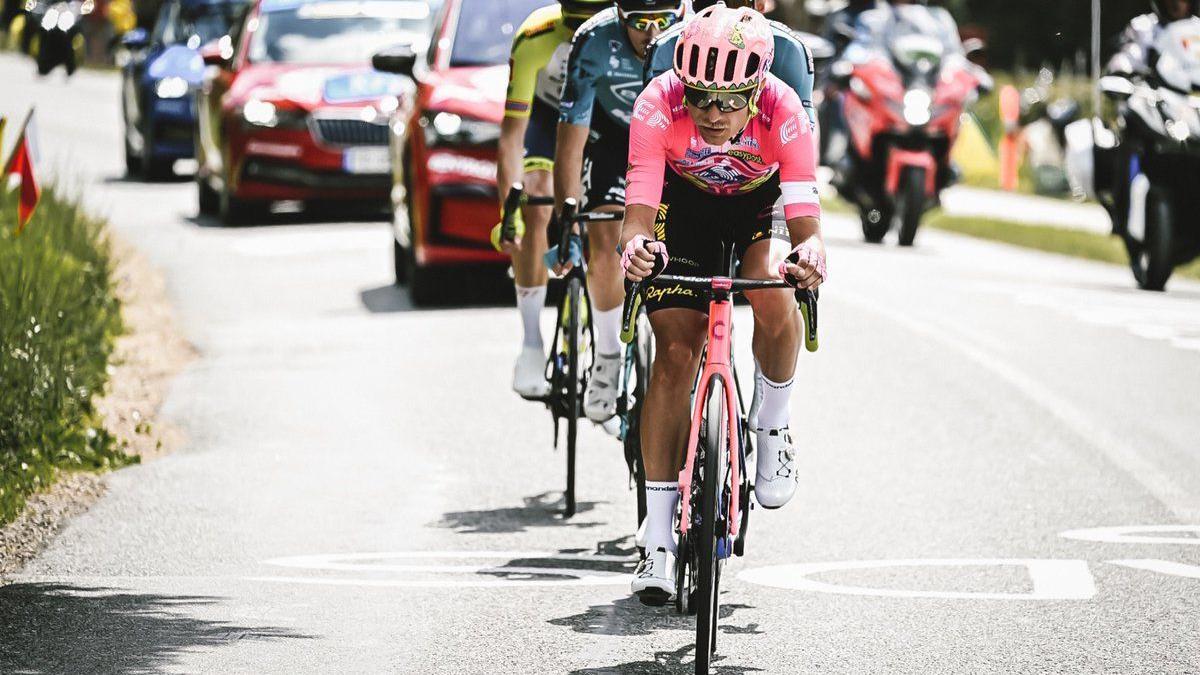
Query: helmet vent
x=710, y=65
x=752, y=64
x=731, y=66
x=694, y=66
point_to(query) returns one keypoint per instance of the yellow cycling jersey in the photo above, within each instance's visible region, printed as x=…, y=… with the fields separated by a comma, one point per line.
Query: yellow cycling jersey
x=538, y=65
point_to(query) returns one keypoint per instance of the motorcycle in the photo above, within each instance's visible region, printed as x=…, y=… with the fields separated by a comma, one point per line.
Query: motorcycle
x=902, y=106
x=59, y=37
x=1145, y=173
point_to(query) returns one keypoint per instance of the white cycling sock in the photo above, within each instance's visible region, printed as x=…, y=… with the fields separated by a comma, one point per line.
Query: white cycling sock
x=661, y=500
x=774, y=413
x=530, y=301
x=607, y=326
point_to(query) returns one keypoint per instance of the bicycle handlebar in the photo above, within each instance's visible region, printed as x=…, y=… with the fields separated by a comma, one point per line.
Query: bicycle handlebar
x=805, y=298
x=515, y=199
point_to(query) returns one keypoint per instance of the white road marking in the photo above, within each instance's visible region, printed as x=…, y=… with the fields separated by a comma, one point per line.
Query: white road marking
x=1052, y=579
x=1136, y=534
x=1175, y=569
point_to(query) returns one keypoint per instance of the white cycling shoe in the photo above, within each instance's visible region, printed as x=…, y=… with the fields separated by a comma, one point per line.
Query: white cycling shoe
x=776, y=480
x=529, y=373
x=654, y=579
x=600, y=399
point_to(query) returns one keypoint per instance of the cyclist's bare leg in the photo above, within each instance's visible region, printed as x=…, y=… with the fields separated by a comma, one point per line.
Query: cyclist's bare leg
x=605, y=279
x=528, y=268
x=679, y=336
x=777, y=329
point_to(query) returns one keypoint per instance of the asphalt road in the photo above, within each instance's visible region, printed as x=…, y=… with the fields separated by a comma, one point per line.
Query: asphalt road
x=360, y=492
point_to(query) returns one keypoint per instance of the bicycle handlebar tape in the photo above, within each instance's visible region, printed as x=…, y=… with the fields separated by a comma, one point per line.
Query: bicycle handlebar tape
x=566, y=223
x=512, y=202
x=633, y=303
x=808, y=309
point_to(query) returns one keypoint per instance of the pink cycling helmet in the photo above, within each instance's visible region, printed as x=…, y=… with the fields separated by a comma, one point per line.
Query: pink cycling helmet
x=725, y=49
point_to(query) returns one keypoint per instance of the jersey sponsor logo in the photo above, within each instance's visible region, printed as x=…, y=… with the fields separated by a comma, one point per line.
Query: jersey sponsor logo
x=659, y=121
x=746, y=156
x=626, y=92
x=643, y=110
x=790, y=130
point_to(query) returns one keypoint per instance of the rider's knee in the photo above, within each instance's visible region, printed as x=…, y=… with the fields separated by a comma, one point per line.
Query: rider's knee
x=774, y=309
x=676, y=359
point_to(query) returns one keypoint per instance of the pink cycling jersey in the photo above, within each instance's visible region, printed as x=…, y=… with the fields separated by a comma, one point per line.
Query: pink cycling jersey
x=778, y=138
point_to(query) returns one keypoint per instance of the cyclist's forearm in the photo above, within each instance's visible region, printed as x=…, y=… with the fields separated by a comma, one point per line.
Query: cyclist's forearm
x=639, y=219
x=806, y=229
x=510, y=154
x=568, y=162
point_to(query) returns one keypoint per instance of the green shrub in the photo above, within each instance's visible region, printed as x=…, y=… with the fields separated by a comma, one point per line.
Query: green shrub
x=58, y=320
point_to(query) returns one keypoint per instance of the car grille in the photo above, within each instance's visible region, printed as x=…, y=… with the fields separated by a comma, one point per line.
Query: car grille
x=350, y=132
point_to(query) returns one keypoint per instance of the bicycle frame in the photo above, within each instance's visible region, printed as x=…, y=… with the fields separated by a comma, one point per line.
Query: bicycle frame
x=718, y=364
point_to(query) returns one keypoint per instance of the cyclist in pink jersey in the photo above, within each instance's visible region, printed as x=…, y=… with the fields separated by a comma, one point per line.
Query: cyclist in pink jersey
x=713, y=144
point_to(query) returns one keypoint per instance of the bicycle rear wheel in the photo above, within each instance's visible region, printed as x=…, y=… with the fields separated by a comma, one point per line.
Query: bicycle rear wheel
x=642, y=353
x=712, y=524
x=573, y=338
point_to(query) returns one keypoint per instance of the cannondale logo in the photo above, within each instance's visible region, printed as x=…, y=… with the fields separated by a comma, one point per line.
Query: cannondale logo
x=790, y=130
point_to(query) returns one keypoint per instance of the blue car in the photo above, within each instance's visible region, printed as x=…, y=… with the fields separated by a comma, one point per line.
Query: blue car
x=160, y=79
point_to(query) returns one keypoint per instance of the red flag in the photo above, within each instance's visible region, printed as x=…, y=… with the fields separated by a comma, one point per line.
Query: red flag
x=20, y=168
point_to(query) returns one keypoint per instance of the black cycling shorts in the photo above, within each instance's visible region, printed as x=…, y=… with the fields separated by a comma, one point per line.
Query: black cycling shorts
x=541, y=137
x=699, y=228
x=605, y=158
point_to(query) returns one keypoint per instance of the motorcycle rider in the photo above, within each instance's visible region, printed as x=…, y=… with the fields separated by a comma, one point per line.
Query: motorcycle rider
x=910, y=16
x=1136, y=44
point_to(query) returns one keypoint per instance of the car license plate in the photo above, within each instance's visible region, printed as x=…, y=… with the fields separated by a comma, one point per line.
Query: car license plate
x=367, y=160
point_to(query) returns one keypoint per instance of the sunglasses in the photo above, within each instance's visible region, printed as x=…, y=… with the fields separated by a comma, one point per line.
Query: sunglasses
x=644, y=22
x=726, y=101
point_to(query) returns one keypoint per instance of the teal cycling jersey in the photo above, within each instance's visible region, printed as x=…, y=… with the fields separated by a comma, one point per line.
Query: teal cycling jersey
x=602, y=71
x=793, y=62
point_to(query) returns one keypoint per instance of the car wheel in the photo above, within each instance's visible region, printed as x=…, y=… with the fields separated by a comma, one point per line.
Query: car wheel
x=400, y=263
x=207, y=199
x=133, y=162
x=234, y=211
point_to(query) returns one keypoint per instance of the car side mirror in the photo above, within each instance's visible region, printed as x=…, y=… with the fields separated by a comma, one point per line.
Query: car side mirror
x=972, y=46
x=399, y=60
x=137, y=38
x=1116, y=86
x=217, y=52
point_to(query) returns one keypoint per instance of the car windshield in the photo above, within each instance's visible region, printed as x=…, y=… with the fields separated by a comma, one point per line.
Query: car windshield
x=485, y=30
x=344, y=31
x=202, y=23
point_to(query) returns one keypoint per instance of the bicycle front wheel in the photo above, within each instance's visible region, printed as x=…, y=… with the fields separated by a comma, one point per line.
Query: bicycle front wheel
x=712, y=526
x=642, y=351
x=573, y=337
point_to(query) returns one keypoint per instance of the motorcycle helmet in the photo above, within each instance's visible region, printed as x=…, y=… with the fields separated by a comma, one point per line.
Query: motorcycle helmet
x=1162, y=9
x=575, y=12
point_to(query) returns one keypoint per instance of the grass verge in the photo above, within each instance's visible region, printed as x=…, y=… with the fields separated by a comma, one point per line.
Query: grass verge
x=1076, y=243
x=59, y=318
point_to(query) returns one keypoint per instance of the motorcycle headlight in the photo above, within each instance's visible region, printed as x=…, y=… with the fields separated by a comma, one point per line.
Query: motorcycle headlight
x=260, y=113
x=171, y=87
x=50, y=19
x=444, y=128
x=918, y=107
x=65, y=21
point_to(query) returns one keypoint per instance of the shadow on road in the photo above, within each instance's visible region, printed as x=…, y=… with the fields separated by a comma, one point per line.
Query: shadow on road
x=57, y=628
x=666, y=662
x=544, y=510
x=324, y=214
x=628, y=617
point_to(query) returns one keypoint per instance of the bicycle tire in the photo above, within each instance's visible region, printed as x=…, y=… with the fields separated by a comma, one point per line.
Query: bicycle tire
x=572, y=336
x=716, y=449
x=643, y=358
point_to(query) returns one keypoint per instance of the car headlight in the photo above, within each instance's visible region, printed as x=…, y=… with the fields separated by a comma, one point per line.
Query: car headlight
x=445, y=128
x=171, y=87
x=260, y=113
x=918, y=107
x=65, y=21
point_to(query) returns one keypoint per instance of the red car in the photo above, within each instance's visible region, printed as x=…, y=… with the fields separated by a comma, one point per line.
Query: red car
x=291, y=108
x=444, y=146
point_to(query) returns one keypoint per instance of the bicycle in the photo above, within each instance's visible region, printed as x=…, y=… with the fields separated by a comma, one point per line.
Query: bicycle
x=573, y=340
x=714, y=484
